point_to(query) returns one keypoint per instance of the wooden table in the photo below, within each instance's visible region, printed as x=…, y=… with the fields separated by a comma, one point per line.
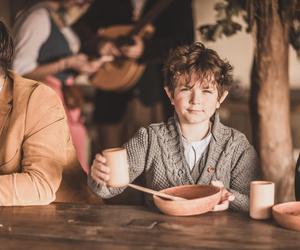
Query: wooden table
x=73, y=226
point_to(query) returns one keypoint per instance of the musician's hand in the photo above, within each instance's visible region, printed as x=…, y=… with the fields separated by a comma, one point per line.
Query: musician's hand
x=75, y=62
x=93, y=65
x=81, y=64
x=108, y=49
x=134, y=51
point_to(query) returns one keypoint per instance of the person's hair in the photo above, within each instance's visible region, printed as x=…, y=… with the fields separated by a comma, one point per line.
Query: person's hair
x=6, y=48
x=197, y=60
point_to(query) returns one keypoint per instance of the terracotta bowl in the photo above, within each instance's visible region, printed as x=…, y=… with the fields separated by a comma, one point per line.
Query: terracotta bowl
x=200, y=199
x=287, y=215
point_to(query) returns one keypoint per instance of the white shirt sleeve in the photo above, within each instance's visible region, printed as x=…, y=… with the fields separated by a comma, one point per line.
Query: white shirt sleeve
x=30, y=32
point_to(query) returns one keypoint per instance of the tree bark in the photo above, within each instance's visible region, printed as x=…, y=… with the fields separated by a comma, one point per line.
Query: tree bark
x=269, y=100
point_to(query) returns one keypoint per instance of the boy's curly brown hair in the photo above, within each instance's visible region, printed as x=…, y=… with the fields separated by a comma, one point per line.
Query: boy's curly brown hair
x=195, y=59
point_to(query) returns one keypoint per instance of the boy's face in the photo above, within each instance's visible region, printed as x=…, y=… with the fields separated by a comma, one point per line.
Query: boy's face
x=196, y=101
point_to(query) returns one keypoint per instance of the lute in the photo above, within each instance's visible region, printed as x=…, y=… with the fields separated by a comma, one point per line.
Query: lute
x=122, y=73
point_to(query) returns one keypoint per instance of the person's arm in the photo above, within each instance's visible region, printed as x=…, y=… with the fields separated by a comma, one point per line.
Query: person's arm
x=244, y=171
x=136, y=151
x=44, y=153
x=40, y=72
x=77, y=62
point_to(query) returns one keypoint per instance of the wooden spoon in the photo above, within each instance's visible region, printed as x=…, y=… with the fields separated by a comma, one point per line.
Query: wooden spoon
x=160, y=194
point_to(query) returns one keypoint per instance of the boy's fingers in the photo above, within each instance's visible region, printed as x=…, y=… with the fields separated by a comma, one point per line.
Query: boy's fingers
x=105, y=169
x=98, y=175
x=221, y=207
x=226, y=195
x=103, y=176
x=100, y=167
x=231, y=197
x=95, y=177
x=100, y=158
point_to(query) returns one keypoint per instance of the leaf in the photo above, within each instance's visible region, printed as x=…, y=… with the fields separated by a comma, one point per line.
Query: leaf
x=218, y=32
x=224, y=24
x=207, y=32
x=220, y=6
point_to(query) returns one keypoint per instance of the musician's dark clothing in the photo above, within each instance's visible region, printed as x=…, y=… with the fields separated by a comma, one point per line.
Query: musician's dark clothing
x=173, y=27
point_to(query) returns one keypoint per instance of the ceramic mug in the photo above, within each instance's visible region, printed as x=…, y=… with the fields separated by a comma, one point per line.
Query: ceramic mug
x=262, y=194
x=116, y=160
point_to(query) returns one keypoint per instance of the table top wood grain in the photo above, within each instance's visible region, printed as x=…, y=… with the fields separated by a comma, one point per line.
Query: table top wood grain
x=80, y=226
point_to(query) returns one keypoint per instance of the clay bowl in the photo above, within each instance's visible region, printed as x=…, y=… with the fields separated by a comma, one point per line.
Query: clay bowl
x=287, y=215
x=199, y=199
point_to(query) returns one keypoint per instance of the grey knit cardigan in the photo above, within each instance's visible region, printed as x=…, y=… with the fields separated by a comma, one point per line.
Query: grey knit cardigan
x=157, y=152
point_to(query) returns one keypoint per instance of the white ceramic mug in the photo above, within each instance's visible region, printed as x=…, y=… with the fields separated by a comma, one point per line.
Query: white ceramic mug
x=116, y=160
x=262, y=194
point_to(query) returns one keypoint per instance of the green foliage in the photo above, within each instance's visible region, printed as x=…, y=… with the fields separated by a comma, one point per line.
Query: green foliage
x=227, y=10
x=225, y=25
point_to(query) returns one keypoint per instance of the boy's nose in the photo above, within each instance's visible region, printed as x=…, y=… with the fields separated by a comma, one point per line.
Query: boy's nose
x=195, y=96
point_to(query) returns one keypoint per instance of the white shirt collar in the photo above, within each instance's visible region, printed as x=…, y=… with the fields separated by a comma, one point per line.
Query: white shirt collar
x=194, y=150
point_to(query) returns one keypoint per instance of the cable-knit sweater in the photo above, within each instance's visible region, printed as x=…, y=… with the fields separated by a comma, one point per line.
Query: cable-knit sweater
x=157, y=152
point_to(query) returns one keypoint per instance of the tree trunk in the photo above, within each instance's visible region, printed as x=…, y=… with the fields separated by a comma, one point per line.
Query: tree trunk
x=270, y=101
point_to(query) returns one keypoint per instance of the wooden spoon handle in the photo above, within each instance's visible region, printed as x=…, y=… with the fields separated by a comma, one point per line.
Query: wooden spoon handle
x=160, y=194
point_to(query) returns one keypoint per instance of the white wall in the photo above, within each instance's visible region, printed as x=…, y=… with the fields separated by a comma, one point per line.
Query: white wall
x=238, y=49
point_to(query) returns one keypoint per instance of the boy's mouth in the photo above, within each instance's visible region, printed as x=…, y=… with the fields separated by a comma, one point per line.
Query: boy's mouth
x=195, y=110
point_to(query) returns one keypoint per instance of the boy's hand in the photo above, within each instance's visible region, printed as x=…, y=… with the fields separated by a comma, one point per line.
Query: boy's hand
x=226, y=197
x=99, y=170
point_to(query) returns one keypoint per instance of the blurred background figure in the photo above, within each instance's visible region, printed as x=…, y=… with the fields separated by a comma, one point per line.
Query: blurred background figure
x=118, y=114
x=47, y=50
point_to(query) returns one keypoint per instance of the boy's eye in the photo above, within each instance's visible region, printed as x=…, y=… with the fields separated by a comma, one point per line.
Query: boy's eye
x=208, y=91
x=185, y=88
